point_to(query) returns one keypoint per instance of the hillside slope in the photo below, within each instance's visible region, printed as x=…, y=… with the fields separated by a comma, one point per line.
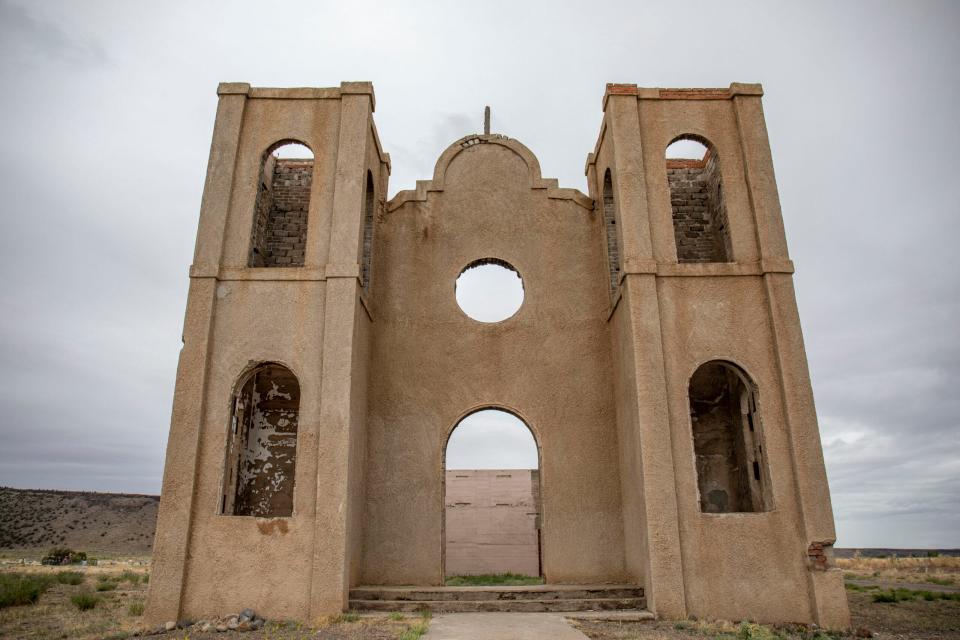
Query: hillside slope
x=98, y=523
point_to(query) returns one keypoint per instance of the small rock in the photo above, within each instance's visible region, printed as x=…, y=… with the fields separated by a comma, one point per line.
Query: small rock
x=206, y=627
x=183, y=624
x=247, y=615
x=221, y=628
x=257, y=623
x=863, y=632
x=170, y=626
x=243, y=626
x=232, y=623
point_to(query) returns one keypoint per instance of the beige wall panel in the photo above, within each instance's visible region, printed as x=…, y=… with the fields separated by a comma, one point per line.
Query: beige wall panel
x=726, y=557
x=663, y=120
x=265, y=561
x=267, y=122
x=549, y=363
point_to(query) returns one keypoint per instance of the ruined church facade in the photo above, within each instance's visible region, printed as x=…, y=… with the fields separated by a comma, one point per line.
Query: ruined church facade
x=657, y=359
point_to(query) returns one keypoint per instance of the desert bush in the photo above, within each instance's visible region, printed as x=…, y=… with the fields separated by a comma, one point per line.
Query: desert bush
x=18, y=588
x=396, y=616
x=63, y=555
x=135, y=609
x=70, y=577
x=85, y=601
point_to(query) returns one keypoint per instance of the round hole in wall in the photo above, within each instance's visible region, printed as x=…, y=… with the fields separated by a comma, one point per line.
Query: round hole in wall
x=489, y=290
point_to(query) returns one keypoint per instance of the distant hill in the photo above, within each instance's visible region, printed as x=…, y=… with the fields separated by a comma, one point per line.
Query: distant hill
x=98, y=523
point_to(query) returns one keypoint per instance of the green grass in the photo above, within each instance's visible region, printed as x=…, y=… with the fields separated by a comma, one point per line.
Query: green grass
x=941, y=581
x=860, y=587
x=349, y=616
x=70, y=577
x=84, y=601
x=22, y=588
x=106, y=586
x=129, y=576
x=396, y=616
x=414, y=632
x=135, y=609
x=903, y=595
x=493, y=579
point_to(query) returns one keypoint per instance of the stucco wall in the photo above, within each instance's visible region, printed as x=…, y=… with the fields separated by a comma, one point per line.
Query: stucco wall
x=549, y=363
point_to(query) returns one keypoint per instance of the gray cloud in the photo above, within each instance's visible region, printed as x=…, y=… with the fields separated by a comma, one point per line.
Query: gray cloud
x=107, y=114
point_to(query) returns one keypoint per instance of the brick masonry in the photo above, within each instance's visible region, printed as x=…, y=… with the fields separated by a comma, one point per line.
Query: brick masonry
x=699, y=210
x=280, y=225
x=492, y=521
x=610, y=224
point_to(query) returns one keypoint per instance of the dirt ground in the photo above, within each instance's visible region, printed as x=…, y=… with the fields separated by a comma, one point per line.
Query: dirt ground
x=910, y=620
x=117, y=615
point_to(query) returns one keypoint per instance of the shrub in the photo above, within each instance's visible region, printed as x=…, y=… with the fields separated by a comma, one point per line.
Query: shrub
x=135, y=609
x=106, y=586
x=349, y=616
x=146, y=578
x=396, y=615
x=17, y=588
x=63, y=555
x=85, y=601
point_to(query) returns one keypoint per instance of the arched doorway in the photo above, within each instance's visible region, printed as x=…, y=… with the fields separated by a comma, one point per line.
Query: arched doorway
x=492, y=513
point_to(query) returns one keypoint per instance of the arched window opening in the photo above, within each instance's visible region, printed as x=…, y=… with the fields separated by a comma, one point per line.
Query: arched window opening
x=279, y=236
x=610, y=225
x=696, y=197
x=492, y=504
x=728, y=442
x=369, y=214
x=262, y=444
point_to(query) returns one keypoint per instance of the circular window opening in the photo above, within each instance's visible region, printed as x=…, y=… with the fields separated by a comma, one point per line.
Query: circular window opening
x=489, y=290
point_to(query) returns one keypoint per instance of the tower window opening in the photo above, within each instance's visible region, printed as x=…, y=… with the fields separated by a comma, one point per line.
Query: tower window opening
x=700, y=226
x=731, y=472
x=279, y=236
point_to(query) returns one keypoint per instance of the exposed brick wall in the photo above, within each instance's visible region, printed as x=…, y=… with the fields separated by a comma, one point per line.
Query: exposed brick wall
x=492, y=519
x=369, y=214
x=699, y=210
x=280, y=226
x=820, y=555
x=610, y=224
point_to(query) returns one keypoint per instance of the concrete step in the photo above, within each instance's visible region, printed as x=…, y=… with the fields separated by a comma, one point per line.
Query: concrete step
x=523, y=605
x=510, y=593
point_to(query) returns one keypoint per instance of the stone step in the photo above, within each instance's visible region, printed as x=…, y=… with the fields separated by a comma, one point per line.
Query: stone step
x=523, y=605
x=498, y=593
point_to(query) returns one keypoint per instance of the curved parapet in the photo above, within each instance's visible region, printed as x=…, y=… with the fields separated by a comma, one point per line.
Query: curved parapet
x=537, y=181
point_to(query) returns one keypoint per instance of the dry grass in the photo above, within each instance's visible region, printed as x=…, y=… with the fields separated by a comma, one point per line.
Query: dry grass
x=944, y=570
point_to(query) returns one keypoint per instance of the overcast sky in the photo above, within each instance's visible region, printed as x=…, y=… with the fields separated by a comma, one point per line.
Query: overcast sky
x=107, y=111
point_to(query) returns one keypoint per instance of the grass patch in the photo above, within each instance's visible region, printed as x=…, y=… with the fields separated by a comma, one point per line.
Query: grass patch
x=414, y=632
x=84, y=601
x=349, y=616
x=493, y=579
x=106, y=586
x=70, y=577
x=396, y=616
x=20, y=588
x=903, y=595
x=943, y=582
x=135, y=609
x=860, y=587
x=129, y=576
